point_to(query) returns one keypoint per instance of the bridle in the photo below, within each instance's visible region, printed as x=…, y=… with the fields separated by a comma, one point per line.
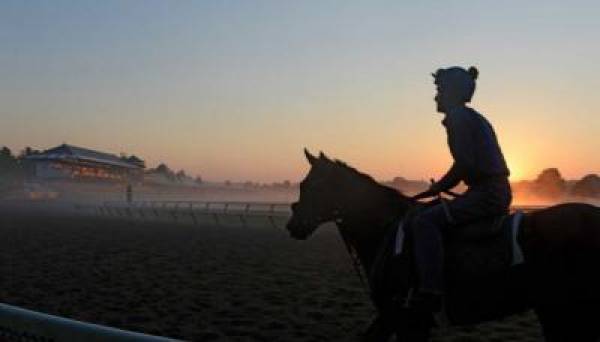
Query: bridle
x=337, y=215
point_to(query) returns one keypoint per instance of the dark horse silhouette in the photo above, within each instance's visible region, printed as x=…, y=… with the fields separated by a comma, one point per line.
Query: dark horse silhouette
x=559, y=277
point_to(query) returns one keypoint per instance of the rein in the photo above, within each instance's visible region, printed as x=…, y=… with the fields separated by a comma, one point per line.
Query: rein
x=355, y=258
x=355, y=262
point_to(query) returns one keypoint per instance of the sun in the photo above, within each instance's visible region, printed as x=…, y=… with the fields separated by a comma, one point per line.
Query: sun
x=518, y=169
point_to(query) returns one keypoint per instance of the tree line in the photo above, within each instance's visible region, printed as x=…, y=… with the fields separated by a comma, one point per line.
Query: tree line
x=12, y=168
x=550, y=183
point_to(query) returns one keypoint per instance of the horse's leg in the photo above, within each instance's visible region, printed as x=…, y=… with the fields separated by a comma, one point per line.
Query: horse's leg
x=552, y=325
x=576, y=321
x=378, y=331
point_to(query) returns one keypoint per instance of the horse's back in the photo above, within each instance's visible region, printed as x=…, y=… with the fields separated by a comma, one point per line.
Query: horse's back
x=564, y=226
x=561, y=245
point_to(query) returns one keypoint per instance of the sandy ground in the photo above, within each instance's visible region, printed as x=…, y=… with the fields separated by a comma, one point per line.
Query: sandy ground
x=200, y=283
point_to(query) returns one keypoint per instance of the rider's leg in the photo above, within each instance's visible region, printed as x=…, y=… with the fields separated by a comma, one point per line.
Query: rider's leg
x=429, y=252
x=476, y=203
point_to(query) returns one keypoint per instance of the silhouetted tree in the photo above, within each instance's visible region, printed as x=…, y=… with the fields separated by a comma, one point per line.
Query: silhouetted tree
x=550, y=183
x=198, y=180
x=8, y=162
x=10, y=168
x=27, y=151
x=133, y=159
x=6, y=153
x=180, y=175
x=588, y=186
x=163, y=169
x=399, y=182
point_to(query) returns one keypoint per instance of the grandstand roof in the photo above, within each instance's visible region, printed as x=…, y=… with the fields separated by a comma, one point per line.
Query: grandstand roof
x=72, y=153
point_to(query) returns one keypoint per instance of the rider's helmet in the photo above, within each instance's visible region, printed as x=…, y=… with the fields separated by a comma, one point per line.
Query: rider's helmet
x=460, y=81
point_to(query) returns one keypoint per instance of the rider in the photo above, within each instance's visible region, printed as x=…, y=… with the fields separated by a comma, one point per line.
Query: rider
x=478, y=162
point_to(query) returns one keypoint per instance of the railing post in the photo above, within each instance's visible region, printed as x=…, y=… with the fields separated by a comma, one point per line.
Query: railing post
x=174, y=212
x=192, y=213
x=270, y=216
x=243, y=215
x=141, y=209
x=154, y=209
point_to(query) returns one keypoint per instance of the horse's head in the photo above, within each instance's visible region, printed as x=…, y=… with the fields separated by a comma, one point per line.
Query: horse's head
x=320, y=197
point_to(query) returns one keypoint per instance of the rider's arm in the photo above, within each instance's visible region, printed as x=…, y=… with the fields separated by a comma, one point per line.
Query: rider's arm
x=449, y=180
x=459, y=127
x=461, y=147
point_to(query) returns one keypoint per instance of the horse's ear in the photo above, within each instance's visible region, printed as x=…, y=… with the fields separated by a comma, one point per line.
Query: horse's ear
x=323, y=156
x=311, y=159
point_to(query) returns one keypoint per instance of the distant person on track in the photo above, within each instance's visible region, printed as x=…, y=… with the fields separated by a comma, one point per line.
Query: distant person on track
x=129, y=193
x=478, y=162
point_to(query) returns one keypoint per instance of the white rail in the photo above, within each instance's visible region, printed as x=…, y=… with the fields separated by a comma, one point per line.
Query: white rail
x=18, y=324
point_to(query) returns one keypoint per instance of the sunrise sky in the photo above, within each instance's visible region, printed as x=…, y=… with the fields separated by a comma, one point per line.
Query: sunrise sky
x=236, y=89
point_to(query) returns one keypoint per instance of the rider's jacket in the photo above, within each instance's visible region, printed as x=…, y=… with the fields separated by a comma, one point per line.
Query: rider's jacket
x=473, y=144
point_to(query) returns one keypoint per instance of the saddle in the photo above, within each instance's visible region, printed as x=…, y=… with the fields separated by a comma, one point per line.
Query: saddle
x=476, y=249
x=479, y=249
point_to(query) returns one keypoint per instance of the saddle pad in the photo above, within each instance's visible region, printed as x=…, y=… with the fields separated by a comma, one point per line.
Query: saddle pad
x=475, y=237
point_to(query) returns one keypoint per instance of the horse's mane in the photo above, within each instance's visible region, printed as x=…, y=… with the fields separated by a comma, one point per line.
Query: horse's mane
x=368, y=179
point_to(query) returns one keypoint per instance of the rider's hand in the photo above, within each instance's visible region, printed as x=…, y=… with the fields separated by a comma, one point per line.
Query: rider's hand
x=424, y=194
x=432, y=191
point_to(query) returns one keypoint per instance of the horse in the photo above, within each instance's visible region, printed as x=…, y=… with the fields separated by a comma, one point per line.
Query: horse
x=558, y=277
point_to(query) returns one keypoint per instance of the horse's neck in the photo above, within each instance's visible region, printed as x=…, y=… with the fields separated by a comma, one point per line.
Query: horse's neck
x=365, y=227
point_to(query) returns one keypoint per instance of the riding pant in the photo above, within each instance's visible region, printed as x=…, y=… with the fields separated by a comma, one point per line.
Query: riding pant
x=482, y=200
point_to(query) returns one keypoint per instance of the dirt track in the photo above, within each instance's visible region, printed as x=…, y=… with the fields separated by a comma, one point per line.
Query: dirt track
x=198, y=283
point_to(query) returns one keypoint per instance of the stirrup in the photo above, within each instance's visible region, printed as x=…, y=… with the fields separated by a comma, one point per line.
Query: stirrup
x=408, y=298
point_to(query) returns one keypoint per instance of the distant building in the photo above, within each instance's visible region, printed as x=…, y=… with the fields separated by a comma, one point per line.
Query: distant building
x=67, y=162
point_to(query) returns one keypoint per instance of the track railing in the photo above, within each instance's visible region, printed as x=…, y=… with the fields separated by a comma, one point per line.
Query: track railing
x=216, y=211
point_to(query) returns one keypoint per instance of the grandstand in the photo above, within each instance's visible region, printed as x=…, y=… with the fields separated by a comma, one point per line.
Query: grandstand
x=68, y=162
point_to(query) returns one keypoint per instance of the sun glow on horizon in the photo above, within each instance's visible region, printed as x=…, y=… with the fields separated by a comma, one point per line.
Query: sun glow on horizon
x=520, y=168
x=516, y=172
